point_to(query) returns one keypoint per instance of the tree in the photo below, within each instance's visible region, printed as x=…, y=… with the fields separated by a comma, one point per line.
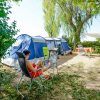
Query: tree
x=51, y=24
x=74, y=16
x=7, y=31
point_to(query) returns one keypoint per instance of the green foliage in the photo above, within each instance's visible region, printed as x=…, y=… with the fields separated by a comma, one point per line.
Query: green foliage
x=74, y=16
x=7, y=31
x=90, y=43
x=6, y=35
x=98, y=39
x=94, y=44
x=51, y=24
x=62, y=87
x=7, y=91
x=97, y=49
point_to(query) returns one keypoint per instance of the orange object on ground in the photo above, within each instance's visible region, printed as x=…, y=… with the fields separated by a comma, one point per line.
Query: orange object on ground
x=87, y=49
x=77, y=50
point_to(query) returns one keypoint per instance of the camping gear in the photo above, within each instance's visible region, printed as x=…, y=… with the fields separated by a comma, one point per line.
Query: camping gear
x=56, y=42
x=50, y=43
x=50, y=56
x=46, y=55
x=65, y=49
x=25, y=72
x=33, y=44
x=53, y=59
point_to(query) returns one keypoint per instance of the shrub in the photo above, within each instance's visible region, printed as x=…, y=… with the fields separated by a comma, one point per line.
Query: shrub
x=94, y=44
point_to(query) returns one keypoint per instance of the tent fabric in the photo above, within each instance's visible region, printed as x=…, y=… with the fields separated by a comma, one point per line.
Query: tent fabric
x=64, y=45
x=50, y=43
x=38, y=49
x=33, y=44
x=55, y=42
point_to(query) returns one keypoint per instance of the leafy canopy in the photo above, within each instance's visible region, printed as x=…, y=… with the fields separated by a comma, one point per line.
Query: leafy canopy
x=73, y=16
x=7, y=31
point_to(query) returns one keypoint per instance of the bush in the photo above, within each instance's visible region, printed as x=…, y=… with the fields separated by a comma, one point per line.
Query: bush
x=91, y=43
x=7, y=31
x=7, y=91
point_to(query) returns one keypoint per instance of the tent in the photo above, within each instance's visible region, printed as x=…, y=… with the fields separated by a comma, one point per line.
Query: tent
x=54, y=43
x=57, y=42
x=50, y=43
x=33, y=44
x=65, y=47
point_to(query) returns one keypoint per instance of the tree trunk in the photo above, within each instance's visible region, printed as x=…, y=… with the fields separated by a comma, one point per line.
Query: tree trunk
x=76, y=40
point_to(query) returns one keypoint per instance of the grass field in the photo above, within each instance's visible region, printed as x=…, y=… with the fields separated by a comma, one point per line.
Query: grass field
x=72, y=83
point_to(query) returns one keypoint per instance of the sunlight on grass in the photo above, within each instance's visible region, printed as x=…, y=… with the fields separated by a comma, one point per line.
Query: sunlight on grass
x=97, y=63
x=70, y=84
x=60, y=87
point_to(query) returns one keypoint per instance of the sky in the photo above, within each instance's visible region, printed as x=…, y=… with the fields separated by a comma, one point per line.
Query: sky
x=29, y=17
x=30, y=20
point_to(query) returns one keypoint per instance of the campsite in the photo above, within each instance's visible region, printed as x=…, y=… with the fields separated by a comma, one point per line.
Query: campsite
x=77, y=79
x=49, y=50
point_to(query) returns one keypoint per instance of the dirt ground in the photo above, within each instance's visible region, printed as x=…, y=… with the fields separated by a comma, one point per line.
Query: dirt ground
x=88, y=67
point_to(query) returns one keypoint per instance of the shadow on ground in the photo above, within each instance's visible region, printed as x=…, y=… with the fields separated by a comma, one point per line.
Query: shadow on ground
x=65, y=58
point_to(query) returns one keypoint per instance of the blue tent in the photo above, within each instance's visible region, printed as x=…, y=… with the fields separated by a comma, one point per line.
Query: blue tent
x=33, y=44
x=54, y=43
x=57, y=42
x=50, y=43
x=65, y=47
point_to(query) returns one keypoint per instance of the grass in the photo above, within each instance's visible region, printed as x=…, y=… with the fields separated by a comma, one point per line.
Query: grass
x=97, y=63
x=7, y=91
x=61, y=87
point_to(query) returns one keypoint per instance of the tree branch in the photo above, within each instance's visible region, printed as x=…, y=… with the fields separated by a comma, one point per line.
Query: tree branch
x=70, y=18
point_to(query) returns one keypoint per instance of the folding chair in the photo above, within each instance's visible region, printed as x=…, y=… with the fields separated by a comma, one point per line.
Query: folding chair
x=46, y=55
x=53, y=59
x=25, y=72
x=49, y=58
